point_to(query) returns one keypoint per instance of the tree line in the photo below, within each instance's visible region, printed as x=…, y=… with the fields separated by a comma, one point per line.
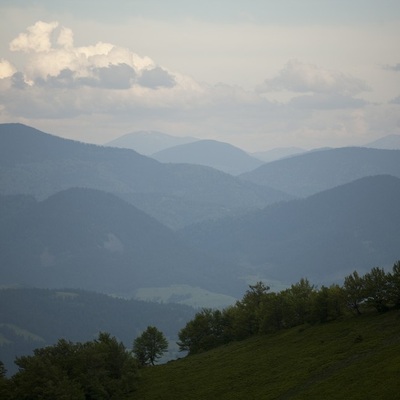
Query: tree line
x=102, y=369
x=261, y=311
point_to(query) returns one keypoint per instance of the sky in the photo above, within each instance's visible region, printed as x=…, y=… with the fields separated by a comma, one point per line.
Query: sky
x=257, y=74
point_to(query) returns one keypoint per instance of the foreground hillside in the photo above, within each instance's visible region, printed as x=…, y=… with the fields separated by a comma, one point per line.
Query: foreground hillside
x=355, y=358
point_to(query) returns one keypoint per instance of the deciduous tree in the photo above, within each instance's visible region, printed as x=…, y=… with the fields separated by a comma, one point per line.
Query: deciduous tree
x=150, y=346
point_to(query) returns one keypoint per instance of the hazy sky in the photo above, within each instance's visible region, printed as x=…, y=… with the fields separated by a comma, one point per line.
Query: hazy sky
x=257, y=74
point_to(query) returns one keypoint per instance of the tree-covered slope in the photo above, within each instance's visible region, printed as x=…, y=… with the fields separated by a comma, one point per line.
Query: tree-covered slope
x=355, y=358
x=315, y=171
x=88, y=239
x=322, y=237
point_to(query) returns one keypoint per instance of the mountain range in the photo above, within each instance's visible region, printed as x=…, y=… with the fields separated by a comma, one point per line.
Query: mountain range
x=100, y=218
x=33, y=162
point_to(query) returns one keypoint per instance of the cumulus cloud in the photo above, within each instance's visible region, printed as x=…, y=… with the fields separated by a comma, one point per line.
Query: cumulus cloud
x=53, y=60
x=301, y=77
x=37, y=39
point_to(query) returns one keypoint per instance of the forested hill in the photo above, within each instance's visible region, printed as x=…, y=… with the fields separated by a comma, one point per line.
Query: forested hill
x=88, y=239
x=322, y=237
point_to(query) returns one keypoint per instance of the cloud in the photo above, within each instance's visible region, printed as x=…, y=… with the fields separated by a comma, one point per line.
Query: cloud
x=53, y=60
x=300, y=77
x=6, y=69
x=37, y=39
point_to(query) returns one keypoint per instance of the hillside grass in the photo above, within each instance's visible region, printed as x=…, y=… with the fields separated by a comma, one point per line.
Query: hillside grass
x=355, y=358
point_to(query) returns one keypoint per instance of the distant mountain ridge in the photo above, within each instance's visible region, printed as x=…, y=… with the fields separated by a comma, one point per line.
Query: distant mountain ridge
x=389, y=142
x=277, y=153
x=33, y=162
x=149, y=142
x=315, y=171
x=212, y=153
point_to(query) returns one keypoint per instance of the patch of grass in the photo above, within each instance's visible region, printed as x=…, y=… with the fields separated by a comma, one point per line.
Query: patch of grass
x=23, y=333
x=356, y=358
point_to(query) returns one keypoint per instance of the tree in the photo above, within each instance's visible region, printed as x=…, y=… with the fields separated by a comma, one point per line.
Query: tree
x=4, y=384
x=354, y=289
x=150, y=346
x=299, y=299
x=250, y=309
x=100, y=369
x=394, y=285
x=208, y=329
x=328, y=303
x=377, y=289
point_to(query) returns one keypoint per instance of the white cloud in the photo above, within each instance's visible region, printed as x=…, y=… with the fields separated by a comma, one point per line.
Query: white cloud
x=301, y=77
x=37, y=39
x=52, y=56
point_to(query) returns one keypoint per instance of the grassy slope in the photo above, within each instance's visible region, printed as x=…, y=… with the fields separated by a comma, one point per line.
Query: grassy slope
x=357, y=358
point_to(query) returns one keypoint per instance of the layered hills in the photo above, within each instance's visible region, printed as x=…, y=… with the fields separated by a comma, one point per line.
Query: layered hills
x=33, y=162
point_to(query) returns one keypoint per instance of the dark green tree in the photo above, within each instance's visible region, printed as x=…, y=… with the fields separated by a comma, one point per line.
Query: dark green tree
x=250, y=310
x=329, y=303
x=4, y=383
x=207, y=330
x=377, y=291
x=394, y=285
x=299, y=302
x=101, y=369
x=354, y=290
x=150, y=346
